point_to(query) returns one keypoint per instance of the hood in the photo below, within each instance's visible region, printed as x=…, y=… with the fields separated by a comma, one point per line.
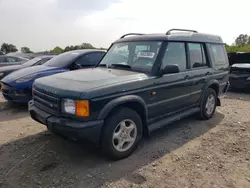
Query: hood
x=10, y=68
x=241, y=65
x=26, y=72
x=83, y=81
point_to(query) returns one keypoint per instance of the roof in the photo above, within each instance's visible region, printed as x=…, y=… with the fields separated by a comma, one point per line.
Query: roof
x=189, y=35
x=82, y=51
x=44, y=56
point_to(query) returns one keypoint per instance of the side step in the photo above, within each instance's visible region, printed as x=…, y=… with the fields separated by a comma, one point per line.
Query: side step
x=171, y=119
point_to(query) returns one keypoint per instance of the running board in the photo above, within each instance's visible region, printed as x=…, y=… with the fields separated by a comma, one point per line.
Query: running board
x=171, y=119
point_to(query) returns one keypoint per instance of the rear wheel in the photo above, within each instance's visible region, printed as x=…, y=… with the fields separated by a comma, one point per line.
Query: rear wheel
x=208, y=104
x=122, y=133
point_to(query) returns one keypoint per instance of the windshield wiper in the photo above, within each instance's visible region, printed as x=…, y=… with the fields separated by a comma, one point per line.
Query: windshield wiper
x=103, y=65
x=120, y=65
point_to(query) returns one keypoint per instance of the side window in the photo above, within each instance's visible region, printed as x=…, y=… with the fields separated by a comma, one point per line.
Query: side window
x=196, y=55
x=89, y=59
x=175, y=54
x=12, y=59
x=218, y=54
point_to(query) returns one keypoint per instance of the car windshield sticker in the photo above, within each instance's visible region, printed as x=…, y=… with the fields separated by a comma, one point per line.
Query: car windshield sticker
x=146, y=54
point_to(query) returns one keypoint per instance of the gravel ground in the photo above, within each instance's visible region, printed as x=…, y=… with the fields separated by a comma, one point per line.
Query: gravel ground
x=187, y=154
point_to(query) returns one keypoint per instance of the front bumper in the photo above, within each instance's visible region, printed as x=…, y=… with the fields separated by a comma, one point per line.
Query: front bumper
x=90, y=130
x=15, y=94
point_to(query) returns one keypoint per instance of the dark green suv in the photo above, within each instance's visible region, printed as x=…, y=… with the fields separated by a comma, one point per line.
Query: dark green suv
x=144, y=82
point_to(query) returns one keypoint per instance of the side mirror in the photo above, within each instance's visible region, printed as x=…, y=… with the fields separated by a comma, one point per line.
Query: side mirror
x=76, y=66
x=171, y=69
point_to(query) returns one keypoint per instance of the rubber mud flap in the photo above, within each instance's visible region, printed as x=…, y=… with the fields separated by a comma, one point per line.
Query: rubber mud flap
x=50, y=126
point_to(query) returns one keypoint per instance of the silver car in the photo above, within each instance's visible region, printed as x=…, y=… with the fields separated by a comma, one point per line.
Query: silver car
x=6, y=60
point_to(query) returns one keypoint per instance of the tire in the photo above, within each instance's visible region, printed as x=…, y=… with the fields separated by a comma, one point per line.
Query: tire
x=122, y=117
x=206, y=114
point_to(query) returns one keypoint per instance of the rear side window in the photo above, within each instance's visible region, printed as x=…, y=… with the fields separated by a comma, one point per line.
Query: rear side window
x=175, y=54
x=219, y=54
x=196, y=55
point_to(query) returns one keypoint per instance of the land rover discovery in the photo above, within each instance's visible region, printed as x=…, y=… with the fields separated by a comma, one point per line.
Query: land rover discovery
x=144, y=82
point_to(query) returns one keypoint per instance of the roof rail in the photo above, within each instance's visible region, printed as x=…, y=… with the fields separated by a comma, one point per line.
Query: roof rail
x=130, y=34
x=169, y=31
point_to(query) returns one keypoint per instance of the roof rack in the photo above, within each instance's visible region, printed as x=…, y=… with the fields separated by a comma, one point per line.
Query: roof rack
x=130, y=34
x=169, y=31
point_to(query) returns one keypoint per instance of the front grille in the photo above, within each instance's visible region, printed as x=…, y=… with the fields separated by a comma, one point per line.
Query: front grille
x=46, y=101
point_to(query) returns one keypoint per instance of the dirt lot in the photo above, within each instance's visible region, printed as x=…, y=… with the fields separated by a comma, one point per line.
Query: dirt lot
x=189, y=153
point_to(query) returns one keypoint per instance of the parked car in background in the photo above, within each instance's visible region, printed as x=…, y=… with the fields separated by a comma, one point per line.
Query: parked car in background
x=17, y=86
x=239, y=70
x=30, y=55
x=4, y=71
x=143, y=83
x=6, y=60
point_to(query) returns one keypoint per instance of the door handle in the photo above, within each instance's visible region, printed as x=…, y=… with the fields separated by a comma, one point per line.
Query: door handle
x=208, y=73
x=186, y=77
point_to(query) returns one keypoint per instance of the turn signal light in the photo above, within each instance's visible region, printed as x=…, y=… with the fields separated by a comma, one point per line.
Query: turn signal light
x=82, y=108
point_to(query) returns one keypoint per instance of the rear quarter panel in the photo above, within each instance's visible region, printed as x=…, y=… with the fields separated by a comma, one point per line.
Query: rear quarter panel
x=220, y=71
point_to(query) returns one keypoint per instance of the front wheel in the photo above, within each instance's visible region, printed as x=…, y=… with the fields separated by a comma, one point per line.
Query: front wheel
x=122, y=133
x=208, y=104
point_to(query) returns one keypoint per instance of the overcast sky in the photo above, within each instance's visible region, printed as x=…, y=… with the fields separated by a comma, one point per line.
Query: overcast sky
x=44, y=24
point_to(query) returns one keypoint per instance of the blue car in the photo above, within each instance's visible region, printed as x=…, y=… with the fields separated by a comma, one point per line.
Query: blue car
x=17, y=86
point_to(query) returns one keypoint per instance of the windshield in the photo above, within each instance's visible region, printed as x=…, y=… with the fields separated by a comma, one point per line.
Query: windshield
x=138, y=56
x=32, y=61
x=62, y=60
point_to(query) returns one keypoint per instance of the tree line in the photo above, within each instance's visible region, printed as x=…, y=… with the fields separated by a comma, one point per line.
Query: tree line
x=241, y=44
x=8, y=48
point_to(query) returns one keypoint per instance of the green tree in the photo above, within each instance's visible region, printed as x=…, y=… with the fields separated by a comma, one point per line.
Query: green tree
x=78, y=47
x=86, y=46
x=7, y=48
x=70, y=48
x=242, y=40
x=26, y=50
x=57, y=50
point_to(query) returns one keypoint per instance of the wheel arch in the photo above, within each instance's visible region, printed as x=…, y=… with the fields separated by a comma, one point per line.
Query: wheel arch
x=131, y=101
x=214, y=84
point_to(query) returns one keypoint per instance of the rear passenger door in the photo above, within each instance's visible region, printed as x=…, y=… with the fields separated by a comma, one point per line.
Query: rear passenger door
x=173, y=89
x=200, y=69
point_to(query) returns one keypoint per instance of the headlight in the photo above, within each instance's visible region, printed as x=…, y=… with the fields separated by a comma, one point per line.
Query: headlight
x=248, y=78
x=79, y=107
x=26, y=78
